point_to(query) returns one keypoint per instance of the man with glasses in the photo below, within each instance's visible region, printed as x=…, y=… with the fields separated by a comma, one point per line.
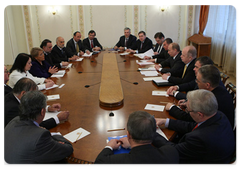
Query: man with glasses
x=7, y=88
x=208, y=78
x=209, y=139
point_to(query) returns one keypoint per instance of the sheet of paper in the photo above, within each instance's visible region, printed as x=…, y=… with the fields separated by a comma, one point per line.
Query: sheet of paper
x=159, y=93
x=87, y=55
x=144, y=62
x=149, y=73
x=68, y=66
x=80, y=59
x=154, y=107
x=160, y=80
x=148, y=53
x=53, y=97
x=160, y=132
x=61, y=86
x=147, y=69
x=54, y=86
x=49, y=115
x=126, y=53
x=60, y=73
x=151, y=78
x=76, y=135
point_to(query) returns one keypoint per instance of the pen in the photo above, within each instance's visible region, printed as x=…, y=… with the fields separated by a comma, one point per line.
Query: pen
x=116, y=129
x=79, y=134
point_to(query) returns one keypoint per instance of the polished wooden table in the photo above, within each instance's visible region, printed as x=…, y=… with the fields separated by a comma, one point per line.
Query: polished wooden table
x=86, y=111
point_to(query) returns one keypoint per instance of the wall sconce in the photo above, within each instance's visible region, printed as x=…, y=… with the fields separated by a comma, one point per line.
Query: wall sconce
x=163, y=7
x=53, y=10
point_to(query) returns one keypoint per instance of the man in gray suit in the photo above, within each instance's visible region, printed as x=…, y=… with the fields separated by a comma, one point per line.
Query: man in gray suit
x=26, y=142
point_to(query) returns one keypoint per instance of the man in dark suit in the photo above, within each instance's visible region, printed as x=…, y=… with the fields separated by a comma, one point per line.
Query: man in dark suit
x=174, y=63
x=46, y=45
x=7, y=88
x=75, y=46
x=61, y=52
x=91, y=43
x=192, y=85
x=141, y=128
x=126, y=41
x=159, y=51
x=188, y=57
x=26, y=142
x=208, y=78
x=142, y=45
x=12, y=102
x=209, y=139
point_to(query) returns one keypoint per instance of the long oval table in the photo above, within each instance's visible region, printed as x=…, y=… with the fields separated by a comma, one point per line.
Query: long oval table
x=86, y=111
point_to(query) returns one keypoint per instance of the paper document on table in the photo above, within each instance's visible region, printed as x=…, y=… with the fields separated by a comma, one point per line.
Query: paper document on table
x=53, y=97
x=60, y=73
x=68, y=66
x=76, y=135
x=148, y=53
x=54, y=86
x=151, y=78
x=144, y=62
x=160, y=80
x=49, y=115
x=87, y=55
x=154, y=107
x=160, y=132
x=159, y=93
x=149, y=73
x=147, y=69
x=79, y=59
x=126, y=53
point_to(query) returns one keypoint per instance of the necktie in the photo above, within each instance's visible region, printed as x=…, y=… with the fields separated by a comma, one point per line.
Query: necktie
x=141, y=45
x=185, y=68
x=91, y=43
x=195, y=127
x=126, y=42
x=77, y=47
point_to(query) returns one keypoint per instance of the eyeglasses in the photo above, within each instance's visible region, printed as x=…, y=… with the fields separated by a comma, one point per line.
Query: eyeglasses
x=6, y=71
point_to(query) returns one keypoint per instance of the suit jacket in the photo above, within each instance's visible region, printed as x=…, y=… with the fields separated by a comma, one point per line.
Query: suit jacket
x=211, y=142
x=25, y=142
x=7, y=89
x=163, y=54
x=87, y=44
x=60, y=55
x=52, y=60
x=176, y=65
x=71, y=49
x=139, y=155
x=188, y=76
x=39, y=70
x=147, y=45
x=132, y=39
x=11, y=110
x=225, y=105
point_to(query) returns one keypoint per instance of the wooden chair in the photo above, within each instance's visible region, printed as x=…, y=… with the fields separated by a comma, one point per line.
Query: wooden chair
x=224, y=77
x=231, y=88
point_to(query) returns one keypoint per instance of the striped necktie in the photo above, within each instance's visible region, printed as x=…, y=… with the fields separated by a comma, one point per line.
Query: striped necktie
x=185, y=68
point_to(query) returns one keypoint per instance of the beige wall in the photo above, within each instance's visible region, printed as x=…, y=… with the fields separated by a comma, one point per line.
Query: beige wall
x=26, y=26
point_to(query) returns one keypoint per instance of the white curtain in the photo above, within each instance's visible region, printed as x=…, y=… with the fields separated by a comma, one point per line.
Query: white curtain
x=221, y=27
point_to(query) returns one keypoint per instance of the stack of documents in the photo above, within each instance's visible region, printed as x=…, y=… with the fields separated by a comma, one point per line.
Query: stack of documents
x=159, y=93
x=87, y=55
x=149, y=73
x=148, y=53
x=143, y=62
x=60, y=73
x=77, y=134
x=152, y=78
x=147, y=69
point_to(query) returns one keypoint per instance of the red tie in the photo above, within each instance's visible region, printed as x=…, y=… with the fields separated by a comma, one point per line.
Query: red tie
x=195, y=127
x=92, y=43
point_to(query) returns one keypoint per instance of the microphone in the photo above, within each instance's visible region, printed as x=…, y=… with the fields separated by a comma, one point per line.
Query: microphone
x=87, y=86
x=135, y=83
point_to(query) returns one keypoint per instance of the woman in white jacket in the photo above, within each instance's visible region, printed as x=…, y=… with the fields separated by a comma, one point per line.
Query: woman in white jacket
x=21, y=65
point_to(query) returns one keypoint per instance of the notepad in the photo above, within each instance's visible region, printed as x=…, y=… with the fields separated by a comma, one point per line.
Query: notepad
x=53, y=97
x=149, y=73
x=159, y=93
x=49, y=115
x=147, y=69
x=68, y=66
x=87, y=55
x=143, y=62
x=76, y=135
x=60, y=73
x=120, y=149
x=54, y=86
x=151, y=78
x=154, y=107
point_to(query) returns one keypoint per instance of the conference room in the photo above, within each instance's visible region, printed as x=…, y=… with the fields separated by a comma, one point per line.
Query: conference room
x=101, y=88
